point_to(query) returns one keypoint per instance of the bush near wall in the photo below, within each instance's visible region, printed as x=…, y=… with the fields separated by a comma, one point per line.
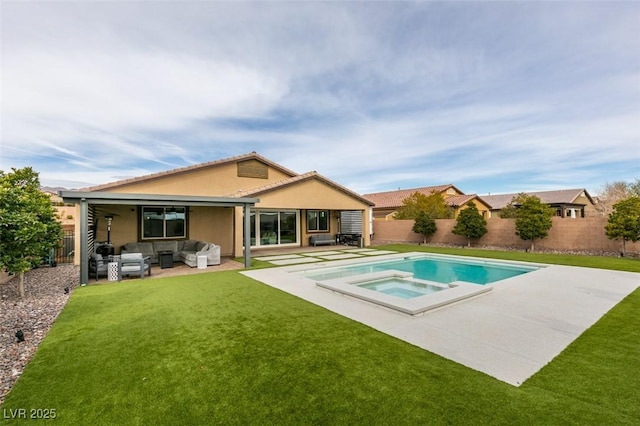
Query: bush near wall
x=581, y=234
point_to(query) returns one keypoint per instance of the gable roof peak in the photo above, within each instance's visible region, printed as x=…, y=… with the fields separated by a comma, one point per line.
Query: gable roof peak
x=394, y=199
x=499, y=201
x=295, y=179
x=249, y=156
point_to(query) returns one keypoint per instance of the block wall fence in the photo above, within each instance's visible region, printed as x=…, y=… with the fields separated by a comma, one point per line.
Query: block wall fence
x=582, y=234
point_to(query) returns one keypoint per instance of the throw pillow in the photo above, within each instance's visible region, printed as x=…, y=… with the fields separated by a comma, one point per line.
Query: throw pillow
x=189, y=245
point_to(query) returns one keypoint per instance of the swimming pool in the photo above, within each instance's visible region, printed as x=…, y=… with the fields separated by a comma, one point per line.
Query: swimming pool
x=401, y=287
x=413, y=283
x=441, y=269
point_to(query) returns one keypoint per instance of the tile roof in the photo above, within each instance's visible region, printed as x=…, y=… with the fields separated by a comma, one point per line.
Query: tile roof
x=295, y=179
x=461, y=200
x=249, y=156
x=548, y=197
x=394, y=199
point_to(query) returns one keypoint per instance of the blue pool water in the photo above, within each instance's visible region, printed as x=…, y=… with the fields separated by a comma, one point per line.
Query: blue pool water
x=398, y=287
x=441, y=270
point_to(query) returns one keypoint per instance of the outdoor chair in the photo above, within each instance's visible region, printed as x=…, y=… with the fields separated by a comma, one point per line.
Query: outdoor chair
x=134, y=263
x=98, y=265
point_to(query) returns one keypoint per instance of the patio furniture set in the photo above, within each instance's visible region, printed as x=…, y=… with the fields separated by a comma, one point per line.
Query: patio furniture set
x=137, y=258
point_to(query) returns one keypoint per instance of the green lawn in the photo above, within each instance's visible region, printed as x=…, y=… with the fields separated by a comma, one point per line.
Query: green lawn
x=222, y=348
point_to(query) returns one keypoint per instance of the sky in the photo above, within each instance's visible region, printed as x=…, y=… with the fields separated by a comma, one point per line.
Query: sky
x=493, y=97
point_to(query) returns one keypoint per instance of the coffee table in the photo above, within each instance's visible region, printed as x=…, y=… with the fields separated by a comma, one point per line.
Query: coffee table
x=165, y=259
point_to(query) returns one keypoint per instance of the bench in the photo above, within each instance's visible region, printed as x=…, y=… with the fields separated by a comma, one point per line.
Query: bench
x=316, y=239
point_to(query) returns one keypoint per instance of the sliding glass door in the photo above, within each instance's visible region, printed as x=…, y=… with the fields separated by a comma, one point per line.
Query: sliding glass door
x=274, y=228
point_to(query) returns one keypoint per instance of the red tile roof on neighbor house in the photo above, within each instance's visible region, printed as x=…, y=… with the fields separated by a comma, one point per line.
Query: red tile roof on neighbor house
x=252, y=155
x=563, y=196
x=295, y=179
x=461, y=200
x=394, y=199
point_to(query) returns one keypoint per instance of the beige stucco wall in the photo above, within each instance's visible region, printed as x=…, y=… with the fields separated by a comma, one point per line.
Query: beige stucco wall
x=589, y=208
x=224, y=226
x=585, y=234
x=311, y=194
x=66, y=213
x=482, y=208
x=214, y=181
x=383, y=214
x=209, y=224
x=212, y=224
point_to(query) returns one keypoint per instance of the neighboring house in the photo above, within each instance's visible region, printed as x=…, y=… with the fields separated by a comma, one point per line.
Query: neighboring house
x=229, y=202
x=387, y=203
x=570, y=203
x=65, y=211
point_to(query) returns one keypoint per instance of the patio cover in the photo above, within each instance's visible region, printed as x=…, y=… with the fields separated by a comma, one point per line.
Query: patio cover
x=86, y=198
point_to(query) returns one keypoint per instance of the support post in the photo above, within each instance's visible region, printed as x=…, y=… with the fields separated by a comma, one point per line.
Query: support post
x=247, y=236
x=84, y=243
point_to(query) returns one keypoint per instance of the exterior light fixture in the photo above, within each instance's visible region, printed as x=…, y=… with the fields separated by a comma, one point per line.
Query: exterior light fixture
x=109, y=219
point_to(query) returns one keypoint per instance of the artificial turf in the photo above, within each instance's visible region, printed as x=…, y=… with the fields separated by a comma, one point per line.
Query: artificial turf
x=221, y=348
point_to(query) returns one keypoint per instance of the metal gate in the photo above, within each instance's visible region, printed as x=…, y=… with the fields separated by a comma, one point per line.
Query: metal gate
x=64, y=253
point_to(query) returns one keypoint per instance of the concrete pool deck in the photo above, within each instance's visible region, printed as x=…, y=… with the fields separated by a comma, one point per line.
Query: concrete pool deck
x=509, y=333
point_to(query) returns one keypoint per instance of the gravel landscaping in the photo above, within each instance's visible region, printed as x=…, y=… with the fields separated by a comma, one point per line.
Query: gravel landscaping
x=46, y=293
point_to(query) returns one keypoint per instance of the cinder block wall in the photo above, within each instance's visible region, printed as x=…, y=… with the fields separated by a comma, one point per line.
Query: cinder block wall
x=582, y=234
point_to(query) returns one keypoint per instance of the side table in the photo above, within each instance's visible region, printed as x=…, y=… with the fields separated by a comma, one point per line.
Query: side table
x=165, y=259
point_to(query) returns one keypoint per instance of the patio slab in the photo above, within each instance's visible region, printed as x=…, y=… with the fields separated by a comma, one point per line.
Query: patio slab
x=340, y=256
x=279, y=257
x=295, y=261
x=509, y=333
x=322, y=253
x=378, y=252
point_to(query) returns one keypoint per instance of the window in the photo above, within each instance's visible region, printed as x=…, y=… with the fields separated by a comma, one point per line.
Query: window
x=318, y=220
x=273, y=227
x=164, y=222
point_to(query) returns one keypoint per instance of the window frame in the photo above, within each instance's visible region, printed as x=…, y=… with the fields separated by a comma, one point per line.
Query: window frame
x=257, y=232
x=318, y=219
x=164, y=223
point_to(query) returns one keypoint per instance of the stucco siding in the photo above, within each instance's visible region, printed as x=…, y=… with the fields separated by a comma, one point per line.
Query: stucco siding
x=482, y=208
x=311, y=194
x=215, y=181
x=212, y=224
x=209, y=224
x=586, y=234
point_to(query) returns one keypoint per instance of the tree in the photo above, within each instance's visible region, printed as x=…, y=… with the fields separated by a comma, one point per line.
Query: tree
x=434, y=205
x=533, y=219
x=634, y=188
x=510, y=210
x=470, y=223
x=424, y=225
x=624, y=222
x=29, y=227
x=610, y=194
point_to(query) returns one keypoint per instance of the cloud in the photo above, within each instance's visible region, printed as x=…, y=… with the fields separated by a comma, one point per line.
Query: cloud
x=372, y=95
x=125, y=91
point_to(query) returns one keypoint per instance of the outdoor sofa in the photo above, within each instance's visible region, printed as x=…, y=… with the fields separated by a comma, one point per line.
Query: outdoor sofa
x=316, y=239
x=186, y=251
